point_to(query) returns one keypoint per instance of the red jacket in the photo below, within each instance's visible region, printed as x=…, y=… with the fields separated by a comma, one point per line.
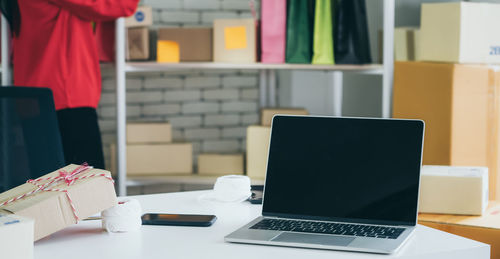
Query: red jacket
x=55, y=47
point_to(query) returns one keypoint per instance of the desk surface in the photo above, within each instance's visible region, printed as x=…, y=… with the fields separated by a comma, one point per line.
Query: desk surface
x=87, y=240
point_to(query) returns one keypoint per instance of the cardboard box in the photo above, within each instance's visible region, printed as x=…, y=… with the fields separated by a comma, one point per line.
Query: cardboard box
x=459, y=104
x=142, y=17
x=195, y=44
x=52, y=210
x=157, y=159
x=460, y=32
x=258, y=138
x=266, y=114
x=137, y=44
x=16, y=237
x=453, y=190
x=149, y=132
x=220, y=164
x=484, y=228
x=235, y=40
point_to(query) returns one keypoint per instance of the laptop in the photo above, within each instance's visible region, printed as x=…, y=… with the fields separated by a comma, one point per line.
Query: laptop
x=339, y=183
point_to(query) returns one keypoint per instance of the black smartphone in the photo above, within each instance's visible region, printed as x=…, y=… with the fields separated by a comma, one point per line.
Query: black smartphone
x=257, y=192
x=178, y=219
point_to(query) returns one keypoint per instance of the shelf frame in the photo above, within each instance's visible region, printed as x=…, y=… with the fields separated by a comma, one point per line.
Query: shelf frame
x=267, y=80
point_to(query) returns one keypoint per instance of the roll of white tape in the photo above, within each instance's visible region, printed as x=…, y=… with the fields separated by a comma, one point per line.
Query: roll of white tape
x=124, y=217
x=232, y=188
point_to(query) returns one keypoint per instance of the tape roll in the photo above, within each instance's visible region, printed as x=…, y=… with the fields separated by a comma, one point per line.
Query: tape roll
x=123, y=217
x=231, y=188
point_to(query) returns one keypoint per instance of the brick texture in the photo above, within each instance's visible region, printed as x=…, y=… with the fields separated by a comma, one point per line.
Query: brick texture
x=209, y=108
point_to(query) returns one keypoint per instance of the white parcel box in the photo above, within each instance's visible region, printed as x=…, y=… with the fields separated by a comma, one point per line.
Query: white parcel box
x=460, y=32
x=453, y=190
x=16, y=236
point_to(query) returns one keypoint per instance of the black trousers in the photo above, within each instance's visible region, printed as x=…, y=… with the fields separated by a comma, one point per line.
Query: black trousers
x=80, y=136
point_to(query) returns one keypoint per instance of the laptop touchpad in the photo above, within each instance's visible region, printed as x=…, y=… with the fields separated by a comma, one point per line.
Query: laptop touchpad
x=313, y=239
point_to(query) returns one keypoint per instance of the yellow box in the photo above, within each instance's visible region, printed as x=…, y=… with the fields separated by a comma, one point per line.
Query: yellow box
x=168, y=51
x=258, y=138
x=459, y=104
x=220, y=164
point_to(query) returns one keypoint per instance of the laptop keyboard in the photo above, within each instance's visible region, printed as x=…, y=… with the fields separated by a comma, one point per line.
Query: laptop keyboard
x=329, y=228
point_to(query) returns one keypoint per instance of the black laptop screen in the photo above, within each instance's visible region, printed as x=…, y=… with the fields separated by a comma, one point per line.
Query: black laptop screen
x=349, y=169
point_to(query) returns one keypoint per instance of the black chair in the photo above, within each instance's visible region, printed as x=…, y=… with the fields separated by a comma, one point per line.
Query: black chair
x=30, y=142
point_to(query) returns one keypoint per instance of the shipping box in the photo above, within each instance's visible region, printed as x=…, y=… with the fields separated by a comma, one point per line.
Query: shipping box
x=484, y=228
x=266, y=114
x=160, y=159
x=16, y=236
x=220, y=164
x=149, y=132
x=258, y=138
x=51, y=209
x=459, y=104
x=235, y=40
x=137, y=43
x=453, y=190
x=195, y=44
x=142, y=17
x=460, y=32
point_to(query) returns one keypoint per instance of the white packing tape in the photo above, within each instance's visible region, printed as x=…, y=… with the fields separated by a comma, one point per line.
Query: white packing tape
x=123, y=217
x=231, y=188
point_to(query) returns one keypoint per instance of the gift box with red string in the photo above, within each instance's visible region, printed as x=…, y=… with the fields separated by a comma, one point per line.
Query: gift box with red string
x=61, y=198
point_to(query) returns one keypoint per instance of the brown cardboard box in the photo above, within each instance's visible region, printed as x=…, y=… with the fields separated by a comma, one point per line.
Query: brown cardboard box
x=52, y=210
x=142, y=17
x=157, y=159
x=220, y=164
x=235, y=40
x=195, y=43
x=459, y=104
x=138, y=43
x=257, y=150
x=484, y=228
x=266, y=114
x=149, y=132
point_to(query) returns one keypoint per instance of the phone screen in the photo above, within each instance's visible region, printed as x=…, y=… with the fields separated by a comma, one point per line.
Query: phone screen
x=178, y=219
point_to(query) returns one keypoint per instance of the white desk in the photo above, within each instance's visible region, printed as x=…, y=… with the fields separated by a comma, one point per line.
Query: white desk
x=87, y=241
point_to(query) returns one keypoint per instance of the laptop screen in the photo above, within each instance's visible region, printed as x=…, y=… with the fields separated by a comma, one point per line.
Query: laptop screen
x=344, y=169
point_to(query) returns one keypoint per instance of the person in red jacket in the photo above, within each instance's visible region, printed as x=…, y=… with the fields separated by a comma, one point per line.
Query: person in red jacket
x=54, y=47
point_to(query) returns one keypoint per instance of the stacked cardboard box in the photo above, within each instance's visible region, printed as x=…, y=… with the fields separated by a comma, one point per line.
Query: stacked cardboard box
x=459, y=101
x=138, y=33
x=150, y=151
x=258, y=137
x=220, y=164
x=91, y=192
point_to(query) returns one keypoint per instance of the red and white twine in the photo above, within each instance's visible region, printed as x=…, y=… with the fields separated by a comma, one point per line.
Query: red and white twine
x=68, y=177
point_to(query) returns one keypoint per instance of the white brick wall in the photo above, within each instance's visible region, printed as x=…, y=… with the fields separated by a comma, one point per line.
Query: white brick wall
x=208, y=108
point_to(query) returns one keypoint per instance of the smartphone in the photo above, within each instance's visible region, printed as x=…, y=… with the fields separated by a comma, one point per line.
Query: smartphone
x=178, y=219
x=257, y=192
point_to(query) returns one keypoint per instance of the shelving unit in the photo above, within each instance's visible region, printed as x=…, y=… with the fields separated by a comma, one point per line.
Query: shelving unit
x=267, y=82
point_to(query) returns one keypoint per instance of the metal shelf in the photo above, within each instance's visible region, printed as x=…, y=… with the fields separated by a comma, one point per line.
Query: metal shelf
x=267, y=83
x=158, y=67
x=177, y=179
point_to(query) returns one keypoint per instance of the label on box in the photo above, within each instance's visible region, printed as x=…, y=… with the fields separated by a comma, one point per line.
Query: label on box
x=235, y=37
